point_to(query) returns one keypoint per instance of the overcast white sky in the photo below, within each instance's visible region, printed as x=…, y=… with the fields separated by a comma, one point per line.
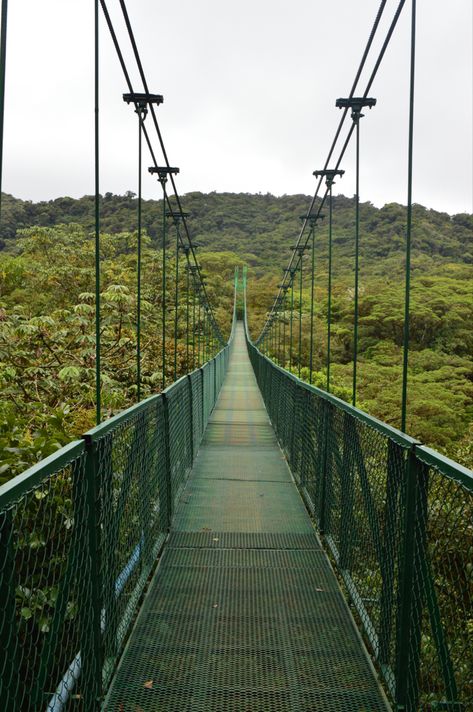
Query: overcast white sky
x=249, y=97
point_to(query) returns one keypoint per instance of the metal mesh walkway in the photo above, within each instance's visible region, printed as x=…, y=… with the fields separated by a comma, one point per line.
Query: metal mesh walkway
x=244, y=613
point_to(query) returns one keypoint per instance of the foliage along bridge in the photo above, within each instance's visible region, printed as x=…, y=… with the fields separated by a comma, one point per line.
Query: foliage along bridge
x=190, y=575
x=241, y=540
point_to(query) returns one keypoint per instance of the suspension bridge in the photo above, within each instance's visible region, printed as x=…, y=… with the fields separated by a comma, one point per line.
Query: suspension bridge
x=241, y=540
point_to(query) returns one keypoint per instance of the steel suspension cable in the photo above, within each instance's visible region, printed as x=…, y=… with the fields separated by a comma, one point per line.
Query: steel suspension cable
x=284, y=330
x=357, y=261
x=186, y=252
x=163, y=149
x=193, y=321
x=350, y=132
x=163, y=277
x=176, y=300
x=125, y=71
x=141, y=116
x=153, y=114
x=98, y=389
x=300, y=316
x=312, y=279
x=361, y=66
x=3, y=62
x=279, y=334
x=329, y=286
x=199, y=332
x=410, y=157
x=291, y=320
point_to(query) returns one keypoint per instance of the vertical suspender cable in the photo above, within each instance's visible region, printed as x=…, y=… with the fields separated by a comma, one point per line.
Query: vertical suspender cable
x=199, y=325
x=275, y=336
x=311, y=354
x=329, y=286
x=300, y=314
x=291, y=320
x=279, y=334
x=98, y=404
x=193, y=323
x=3, y=60
x=284, y=330
x=138, y=266
x=187, y=314
x=176, y=300
x=163, y=310
x=409, y=222
x=357, y=258
x=204, y=334
x=207, y=333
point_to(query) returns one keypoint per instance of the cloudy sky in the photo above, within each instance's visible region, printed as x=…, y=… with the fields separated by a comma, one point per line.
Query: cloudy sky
x=249, y=97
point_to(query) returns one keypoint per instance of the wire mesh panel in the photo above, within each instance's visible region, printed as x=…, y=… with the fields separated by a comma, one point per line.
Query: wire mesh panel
x=195, y=379
x=444, y=543
x=79, y=536
x=178, y=401
x=129, y=461
x=208, y=391
x=45, y=578
x=244, y=612
x=397, y=519
x=363, y=481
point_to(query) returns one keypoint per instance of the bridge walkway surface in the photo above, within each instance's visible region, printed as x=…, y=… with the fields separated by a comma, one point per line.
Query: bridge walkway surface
x=244, y=613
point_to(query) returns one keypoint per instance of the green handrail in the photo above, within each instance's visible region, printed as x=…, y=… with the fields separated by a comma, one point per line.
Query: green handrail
x=397, y=521
x=80, y=533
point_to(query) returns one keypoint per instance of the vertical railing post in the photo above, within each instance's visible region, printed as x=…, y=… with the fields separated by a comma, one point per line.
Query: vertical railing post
x=203, y=399
x=8, y=628
x=215, y=382
x=326, y=471
x=144, y=484
x=304, y=446
x=191, y=409
x=168, y=504
x=347, y=488
x=323, y=487
x=395, y=465
x=88, y=511
x=410, y=601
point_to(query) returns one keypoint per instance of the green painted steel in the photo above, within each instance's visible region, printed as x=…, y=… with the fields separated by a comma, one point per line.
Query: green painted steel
x=244, y=611
x=80, y=534
x=98, y=353
x=397, y=521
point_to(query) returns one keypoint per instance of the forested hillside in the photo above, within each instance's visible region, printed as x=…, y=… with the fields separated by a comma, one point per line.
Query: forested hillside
x=261, y=227
x=47, y=308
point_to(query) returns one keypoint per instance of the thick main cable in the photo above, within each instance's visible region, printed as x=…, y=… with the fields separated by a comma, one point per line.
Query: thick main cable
x=295, y=259
x=163, y=149
x=145, y=133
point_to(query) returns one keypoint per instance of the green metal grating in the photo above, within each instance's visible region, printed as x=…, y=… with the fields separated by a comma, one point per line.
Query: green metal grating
x=242, y=506
x=244, y=612
x=241, y=464
x=242, y=540
x=244, y=629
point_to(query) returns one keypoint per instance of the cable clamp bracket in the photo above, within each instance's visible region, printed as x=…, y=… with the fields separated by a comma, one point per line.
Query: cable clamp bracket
x=163, y=172
x=356, y=104
x=329, y=174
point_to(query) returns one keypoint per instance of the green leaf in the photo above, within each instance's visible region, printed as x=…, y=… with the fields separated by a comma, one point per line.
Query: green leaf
x=69, y=373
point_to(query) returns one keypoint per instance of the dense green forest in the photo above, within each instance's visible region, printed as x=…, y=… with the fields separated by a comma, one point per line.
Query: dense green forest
x=47, y=308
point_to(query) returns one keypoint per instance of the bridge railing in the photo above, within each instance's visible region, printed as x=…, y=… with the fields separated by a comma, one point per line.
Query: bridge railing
x=397, y=520
x=80, y=533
